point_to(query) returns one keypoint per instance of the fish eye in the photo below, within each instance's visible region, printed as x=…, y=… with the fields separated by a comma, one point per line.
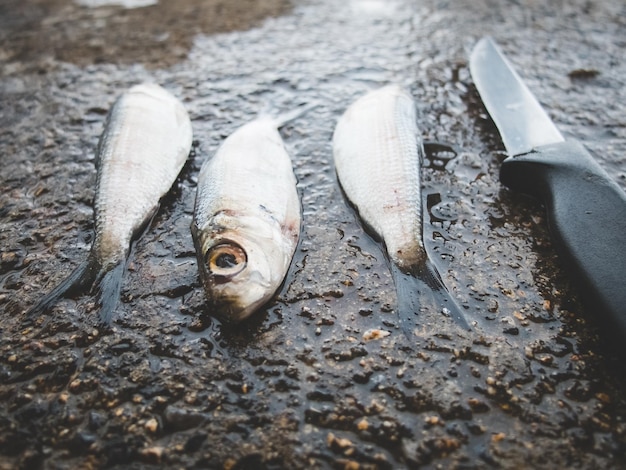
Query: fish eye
x=226, y=260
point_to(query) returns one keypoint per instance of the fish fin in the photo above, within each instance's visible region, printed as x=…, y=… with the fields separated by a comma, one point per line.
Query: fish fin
x=424, y=301
x=78, y=281
x=105, y=281
x=107, y=287
x=285, y=118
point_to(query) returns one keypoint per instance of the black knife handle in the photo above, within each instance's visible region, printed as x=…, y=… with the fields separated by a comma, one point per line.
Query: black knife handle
x=587, y=220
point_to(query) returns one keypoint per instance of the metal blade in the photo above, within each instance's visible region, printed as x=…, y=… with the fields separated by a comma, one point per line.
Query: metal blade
x=522, y=122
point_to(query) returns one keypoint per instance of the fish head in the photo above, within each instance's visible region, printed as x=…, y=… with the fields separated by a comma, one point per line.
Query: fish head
x=239, y=274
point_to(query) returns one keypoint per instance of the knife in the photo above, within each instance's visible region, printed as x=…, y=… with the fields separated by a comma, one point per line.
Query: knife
x=586, y=208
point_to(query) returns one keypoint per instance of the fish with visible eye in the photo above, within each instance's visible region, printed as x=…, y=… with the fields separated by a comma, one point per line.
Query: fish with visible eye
x=378, y=152
x=145, y=143
x=247, y=217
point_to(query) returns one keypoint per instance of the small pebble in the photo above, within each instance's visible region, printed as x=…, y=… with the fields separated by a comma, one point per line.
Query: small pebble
x=152, y=425
x=375, y=334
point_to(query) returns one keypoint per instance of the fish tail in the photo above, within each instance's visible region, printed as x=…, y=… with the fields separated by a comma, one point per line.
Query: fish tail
x=107, y=287
x=424, y=301
x=106, y=281
x=78, y=281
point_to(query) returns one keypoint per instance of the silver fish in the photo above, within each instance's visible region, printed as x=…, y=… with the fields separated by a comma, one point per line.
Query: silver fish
x=247, y=220
x=146, y=140
x=378, y=153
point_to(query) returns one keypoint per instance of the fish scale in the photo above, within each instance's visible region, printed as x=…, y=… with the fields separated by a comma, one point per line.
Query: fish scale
x=246, y=220
x=377, y=157
x=377, y=152
x=128, y=188
x=146, y=140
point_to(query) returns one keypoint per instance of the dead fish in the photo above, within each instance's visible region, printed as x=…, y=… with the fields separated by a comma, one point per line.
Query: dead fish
x=247, y=219
x=146, y=140
x=378, y=152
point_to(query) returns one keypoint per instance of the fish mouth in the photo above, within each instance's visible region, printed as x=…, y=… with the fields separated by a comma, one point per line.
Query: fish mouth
x=225, y=260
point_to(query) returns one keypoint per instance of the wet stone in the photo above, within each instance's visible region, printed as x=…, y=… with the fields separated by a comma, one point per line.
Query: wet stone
x=511, y=331
x=195, y=442
x=181, y=419
x=81, y=442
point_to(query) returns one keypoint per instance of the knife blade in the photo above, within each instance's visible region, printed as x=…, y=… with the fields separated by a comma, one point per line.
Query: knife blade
x=586, y=209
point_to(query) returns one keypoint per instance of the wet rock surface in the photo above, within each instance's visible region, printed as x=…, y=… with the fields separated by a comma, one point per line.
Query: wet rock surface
x=114, y=31
x=322, y=377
